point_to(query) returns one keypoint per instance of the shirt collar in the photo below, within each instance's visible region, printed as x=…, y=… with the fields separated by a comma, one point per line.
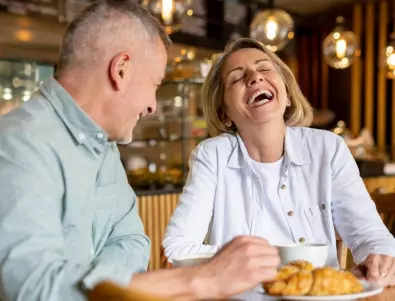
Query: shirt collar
x=296, y=149
x=81, y=126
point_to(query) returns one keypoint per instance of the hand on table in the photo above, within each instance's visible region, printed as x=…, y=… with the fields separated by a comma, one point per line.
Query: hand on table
x=377, y=268
x=239, y=266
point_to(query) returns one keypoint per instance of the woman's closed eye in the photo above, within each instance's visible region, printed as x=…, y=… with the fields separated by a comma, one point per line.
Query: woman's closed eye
x=235, y=80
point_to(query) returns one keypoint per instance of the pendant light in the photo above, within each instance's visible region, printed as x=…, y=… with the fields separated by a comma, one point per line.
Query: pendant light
x=169, y=12
x=390, y=51
x=340, y=47
x=272, y=27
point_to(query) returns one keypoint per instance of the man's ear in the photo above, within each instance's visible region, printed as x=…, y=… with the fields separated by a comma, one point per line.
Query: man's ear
x=119, y=70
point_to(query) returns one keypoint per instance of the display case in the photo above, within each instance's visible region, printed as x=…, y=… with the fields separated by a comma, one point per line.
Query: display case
x=157, y=158
x=18, y=80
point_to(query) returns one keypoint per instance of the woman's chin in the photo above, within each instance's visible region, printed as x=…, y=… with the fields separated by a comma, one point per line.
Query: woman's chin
x=265, y=119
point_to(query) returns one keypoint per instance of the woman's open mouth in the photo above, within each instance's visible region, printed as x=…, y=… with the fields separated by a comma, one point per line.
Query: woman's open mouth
x=260, y=98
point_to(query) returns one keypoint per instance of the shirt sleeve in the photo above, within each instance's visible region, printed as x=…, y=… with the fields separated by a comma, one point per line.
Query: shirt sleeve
x=190, y=221
x=354, y=213
x=34, y=264
x=126, y=251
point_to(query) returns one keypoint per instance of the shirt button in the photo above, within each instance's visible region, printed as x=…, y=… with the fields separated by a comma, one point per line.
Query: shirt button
x=99, y=135
x=81, y=136
x=290, y=213
x=323, y=206
x=302, y=240
x=283, y=186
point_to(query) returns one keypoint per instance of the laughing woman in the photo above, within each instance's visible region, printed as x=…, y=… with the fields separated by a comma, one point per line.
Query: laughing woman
x=265, y=173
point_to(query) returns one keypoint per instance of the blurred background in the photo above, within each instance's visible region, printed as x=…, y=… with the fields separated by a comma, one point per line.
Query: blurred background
x=341, y=52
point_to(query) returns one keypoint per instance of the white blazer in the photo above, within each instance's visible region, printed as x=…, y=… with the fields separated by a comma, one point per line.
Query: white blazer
x=320, y=183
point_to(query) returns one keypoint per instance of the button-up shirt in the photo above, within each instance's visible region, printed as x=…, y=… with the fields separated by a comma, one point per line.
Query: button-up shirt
x=68, y=217
x=320, y=190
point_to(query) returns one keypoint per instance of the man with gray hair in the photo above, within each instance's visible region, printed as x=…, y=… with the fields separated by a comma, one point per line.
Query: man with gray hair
x=68, y=217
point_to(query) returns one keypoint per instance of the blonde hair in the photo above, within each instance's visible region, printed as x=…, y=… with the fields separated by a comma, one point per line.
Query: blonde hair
x=300, y=113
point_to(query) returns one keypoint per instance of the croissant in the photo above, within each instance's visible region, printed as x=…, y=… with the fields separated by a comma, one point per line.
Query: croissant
x=299, y=278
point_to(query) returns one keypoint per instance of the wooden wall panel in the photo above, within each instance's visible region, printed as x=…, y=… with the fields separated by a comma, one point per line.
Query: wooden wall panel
x=155, y=212
x=369, y=65
x=381, y=80
x=324, y=78
x=356, y=83
x=393, y=121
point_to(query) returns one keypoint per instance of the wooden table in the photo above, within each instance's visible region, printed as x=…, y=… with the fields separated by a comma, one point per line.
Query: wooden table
x=110, y=292
x=386, y=295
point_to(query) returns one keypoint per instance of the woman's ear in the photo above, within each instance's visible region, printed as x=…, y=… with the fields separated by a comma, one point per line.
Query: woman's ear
x=222, y=115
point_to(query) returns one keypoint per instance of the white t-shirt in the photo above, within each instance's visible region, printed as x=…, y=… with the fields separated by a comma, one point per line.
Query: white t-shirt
x=269, y=177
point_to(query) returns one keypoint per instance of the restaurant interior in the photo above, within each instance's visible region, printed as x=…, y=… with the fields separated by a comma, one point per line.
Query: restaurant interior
x=342, y=53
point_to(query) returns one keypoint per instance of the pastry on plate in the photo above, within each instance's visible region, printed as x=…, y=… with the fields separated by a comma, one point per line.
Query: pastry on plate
x=299, y=278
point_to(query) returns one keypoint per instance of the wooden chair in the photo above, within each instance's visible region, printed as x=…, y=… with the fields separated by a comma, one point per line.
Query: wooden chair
x=342, y=252
x=385, y=204
x=108, y=291
x=163, y=259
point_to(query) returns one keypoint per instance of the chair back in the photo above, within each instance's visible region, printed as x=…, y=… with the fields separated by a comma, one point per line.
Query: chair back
x=342, y=251
x=385, y=205
x=107, y=291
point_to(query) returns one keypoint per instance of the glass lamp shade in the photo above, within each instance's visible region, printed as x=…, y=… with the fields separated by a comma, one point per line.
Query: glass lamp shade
x=390, y=58
x=340, y=47
x=272, y=27
x=169, y=12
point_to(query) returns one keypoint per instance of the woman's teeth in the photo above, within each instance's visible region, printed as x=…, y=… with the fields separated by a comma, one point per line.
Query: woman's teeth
x=259, y=103
x=260, y=98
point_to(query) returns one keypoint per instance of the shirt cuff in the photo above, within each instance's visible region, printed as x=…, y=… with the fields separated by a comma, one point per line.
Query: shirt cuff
x=382, y=250
x=107, y=272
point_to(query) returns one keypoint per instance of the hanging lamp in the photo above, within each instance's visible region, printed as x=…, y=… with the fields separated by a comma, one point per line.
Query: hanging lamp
x=340, y=47
x=169, y=12
x=273, y=27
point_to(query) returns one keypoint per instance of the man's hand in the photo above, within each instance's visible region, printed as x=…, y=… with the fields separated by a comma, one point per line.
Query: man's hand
x=377, y=268
x=239, y=266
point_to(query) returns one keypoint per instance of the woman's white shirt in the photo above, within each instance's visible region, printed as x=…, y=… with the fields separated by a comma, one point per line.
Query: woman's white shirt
x=269, y=176
x=319, y=189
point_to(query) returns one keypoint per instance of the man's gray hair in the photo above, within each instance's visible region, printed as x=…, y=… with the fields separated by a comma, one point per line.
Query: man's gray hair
x=120, y=19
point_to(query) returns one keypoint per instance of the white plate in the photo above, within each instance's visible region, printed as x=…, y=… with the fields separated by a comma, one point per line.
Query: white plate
x=370, y=289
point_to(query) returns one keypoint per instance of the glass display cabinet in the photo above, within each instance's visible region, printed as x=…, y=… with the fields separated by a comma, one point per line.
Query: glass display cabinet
x=18, y=80
x=158, y=156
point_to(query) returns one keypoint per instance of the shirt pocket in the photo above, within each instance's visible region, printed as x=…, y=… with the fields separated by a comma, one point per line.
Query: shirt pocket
x=316, y=216
x=105, y=197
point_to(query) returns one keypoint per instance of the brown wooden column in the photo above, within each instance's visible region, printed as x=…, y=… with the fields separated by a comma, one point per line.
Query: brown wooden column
x=356, y=77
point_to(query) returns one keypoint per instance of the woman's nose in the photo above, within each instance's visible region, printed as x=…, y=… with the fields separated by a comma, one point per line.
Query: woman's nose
x=254, y=78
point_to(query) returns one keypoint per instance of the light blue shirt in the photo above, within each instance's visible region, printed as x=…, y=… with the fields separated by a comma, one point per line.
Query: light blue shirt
x=68, y=217
x=320, y=189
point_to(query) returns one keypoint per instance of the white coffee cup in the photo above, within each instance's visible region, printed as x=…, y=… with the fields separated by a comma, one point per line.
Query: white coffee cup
x=191, y=259
x=316, y=254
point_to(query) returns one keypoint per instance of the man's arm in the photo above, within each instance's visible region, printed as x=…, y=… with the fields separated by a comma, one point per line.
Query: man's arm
x=32, y=250
x=242, y=264
x=127, y=246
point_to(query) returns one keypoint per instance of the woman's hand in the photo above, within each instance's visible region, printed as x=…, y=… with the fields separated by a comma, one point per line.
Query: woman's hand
x=377, y=268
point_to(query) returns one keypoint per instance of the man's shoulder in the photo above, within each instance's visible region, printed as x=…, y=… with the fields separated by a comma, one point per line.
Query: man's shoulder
x=32, y=118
